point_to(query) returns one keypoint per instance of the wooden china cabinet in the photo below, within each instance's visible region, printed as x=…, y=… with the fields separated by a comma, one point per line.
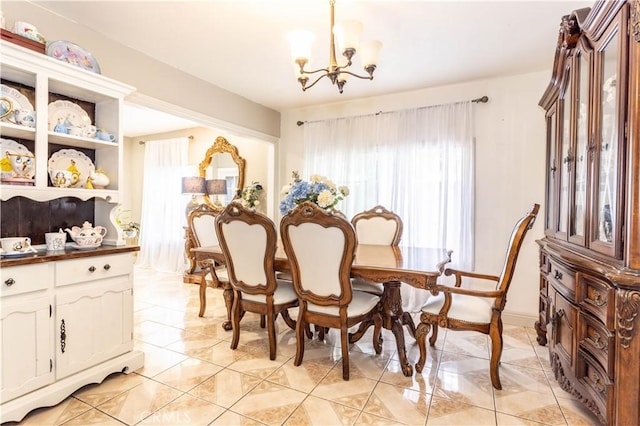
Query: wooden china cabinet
x=590, y=254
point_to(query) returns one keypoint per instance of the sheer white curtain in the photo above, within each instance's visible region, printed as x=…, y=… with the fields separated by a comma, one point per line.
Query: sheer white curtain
x=161, y=236
x=418, y=163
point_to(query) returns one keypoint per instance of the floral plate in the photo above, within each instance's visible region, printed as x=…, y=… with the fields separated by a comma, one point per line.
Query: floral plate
x=72, y=160
x=10, y=100
x=68, y=114
x=73, y=54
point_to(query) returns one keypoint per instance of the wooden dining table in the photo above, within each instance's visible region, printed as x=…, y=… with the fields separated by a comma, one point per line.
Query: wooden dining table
x=390, y=265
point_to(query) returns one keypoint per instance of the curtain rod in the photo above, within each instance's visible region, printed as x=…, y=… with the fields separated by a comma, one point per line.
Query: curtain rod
x=480, y=100
x=143, y=142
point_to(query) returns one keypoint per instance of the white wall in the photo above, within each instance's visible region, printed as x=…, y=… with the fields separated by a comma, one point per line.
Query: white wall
x=510, y=154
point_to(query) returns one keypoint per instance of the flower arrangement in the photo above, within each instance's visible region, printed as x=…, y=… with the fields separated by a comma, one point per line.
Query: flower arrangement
x=318, y=189
x=249, y=195
x=124, y=221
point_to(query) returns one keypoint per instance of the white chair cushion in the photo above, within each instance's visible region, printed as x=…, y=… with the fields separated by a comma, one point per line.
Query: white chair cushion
x=376, y=230
x=284, y=276
x=464, y=308
x=246, y=244
x=360, y=284
x=284, y=294
x=222, y=274
x=361, y=303
x=204, y=230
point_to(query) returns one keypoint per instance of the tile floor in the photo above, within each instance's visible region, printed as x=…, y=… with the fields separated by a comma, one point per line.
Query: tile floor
x=191, y=377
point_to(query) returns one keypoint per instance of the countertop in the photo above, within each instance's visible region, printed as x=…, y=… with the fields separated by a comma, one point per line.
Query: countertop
x=42, y=256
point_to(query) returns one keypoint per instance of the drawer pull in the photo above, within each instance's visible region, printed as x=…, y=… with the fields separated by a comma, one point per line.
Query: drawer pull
x=599, y=342
x=63, y=336
x=557, y=275
x=107, y=267
x=10, y=282
x=598, y=299
x=92, y=268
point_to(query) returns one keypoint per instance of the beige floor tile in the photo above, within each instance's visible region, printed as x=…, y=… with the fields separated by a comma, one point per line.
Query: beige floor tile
x=192, y=342
x=577, y=414
x=56, y=415
x=476, y=345
x=185, y=410
x=157, y=360
x=304, y=377
x=137, y=403
x=353, y=393
x=269, y=403
x=398, y=404
x=366, y=419
x=93, y=417
x=507, y=420
x=447, y=412
x=188, y=374
x=421, y=382
x=260, y=367
x=225, y=388
x=516, y=379
x=539, y=407
x=473, y=388
x=368, y=365
x=317, y=411
x=115, y=384
x=220, y=354
x=229, y=418
x=523, y=357
x=460, y=363
x=163, y=335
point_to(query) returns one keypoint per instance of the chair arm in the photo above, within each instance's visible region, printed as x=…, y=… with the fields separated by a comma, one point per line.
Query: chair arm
x=466, y=291
x=460, y=274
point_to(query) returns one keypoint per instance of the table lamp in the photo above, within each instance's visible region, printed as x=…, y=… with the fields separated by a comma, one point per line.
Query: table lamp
x=217, y=187
x=195, y=186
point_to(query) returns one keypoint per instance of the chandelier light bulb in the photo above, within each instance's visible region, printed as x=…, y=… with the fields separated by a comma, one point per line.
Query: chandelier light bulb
x=301, y=42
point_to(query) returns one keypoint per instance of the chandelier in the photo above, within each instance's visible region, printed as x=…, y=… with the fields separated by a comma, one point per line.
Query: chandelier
x=348, y=34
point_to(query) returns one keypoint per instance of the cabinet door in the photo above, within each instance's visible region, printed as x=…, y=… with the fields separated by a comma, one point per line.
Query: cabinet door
x=552, y=171
x=564, y=318
x=578, y=200
x=566, y=156
x=27, y=347
x=610, y=98
x=93, y=323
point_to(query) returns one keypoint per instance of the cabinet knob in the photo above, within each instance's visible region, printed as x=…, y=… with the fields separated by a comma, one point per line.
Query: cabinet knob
x=107, y=267
x=92, y=268
x=10, y=282
x=558, y=275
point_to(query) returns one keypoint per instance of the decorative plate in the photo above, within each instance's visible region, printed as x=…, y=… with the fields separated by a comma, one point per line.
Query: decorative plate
x=11, y=255
x=10, y=100
x=73, y=54
x=16, y=156
x=68, y=114
x=74, y=161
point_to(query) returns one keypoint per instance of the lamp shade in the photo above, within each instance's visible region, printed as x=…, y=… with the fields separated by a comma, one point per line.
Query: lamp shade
x=193, y=185
x=216, y=186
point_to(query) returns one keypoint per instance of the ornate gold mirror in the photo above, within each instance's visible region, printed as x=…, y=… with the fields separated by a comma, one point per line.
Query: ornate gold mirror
x=223, y=169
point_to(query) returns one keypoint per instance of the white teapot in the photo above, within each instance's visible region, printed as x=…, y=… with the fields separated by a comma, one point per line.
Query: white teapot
x=87, y=233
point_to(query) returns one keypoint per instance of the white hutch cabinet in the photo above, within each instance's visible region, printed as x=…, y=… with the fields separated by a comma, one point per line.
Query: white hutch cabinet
x=66, y=318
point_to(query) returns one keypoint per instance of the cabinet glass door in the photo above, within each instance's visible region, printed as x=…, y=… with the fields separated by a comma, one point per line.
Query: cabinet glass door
x=579, y=204
x=563, y=210
x=609, y=84
x=552, y=166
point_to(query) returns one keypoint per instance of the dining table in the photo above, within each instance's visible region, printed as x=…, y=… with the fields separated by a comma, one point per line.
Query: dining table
x=393, y=266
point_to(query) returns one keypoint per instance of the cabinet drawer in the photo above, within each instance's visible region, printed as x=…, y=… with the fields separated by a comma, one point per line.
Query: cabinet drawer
x=598, y=298
x=25, y=278
x=594, y=338
x=590, y=374
x=93, y=268
x=564, y=276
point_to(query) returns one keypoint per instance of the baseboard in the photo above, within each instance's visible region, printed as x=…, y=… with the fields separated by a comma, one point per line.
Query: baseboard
x=521, y=320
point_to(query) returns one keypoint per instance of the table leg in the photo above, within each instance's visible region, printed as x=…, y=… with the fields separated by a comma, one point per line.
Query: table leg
x=392, y=319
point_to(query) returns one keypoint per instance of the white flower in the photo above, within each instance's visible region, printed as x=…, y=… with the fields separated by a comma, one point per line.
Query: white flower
x=325, y=198
x=256, y=203
x=316, y=178
x=344, y=190
x=285, y=189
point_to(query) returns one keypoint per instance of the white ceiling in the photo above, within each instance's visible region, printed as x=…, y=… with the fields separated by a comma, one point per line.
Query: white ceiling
x=241, y=46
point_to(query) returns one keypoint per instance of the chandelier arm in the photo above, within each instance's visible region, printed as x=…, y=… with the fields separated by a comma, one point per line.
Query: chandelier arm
x=314, y=83
x=303, y=71
x=364, y=77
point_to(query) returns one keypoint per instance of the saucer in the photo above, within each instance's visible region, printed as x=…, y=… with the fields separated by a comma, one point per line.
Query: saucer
x=85, y=247
x=15, y=254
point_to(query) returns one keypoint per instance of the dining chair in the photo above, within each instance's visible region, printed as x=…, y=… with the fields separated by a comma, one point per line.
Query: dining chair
x=248, y=240
x=320, y=246
x=202, y=224
x=459, y=308
x=379, y=226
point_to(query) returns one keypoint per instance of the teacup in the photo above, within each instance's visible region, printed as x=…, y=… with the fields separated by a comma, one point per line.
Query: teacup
x=105, y=136
x=16, y=245
x=89, y=131
x=75, y=131
x=21, y=163
x=24, y=117
x=64, y=178
x=90, y=240
x=55, y=240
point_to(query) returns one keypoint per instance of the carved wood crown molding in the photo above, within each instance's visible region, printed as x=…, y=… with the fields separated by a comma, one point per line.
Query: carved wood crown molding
x=628, y=307
x=635, y=20
x=570, y=31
